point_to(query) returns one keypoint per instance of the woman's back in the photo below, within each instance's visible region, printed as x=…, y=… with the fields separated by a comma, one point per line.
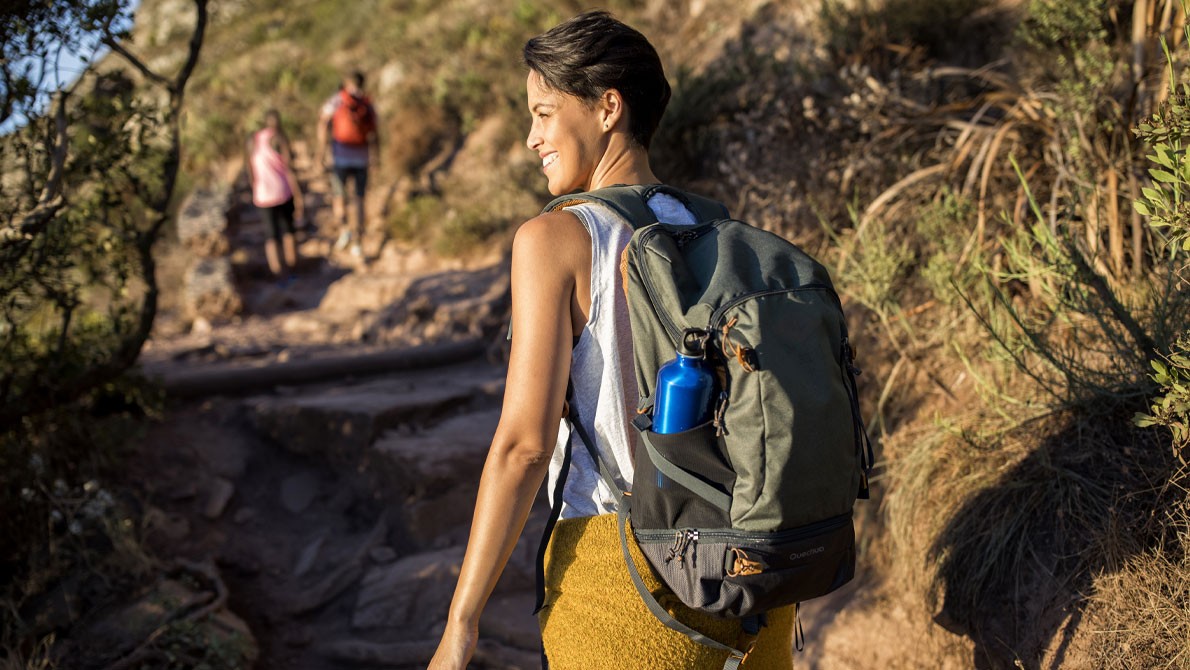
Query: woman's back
x=270, y=185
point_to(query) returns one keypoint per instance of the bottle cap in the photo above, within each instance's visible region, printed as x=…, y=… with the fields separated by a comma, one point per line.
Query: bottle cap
x=693, y=343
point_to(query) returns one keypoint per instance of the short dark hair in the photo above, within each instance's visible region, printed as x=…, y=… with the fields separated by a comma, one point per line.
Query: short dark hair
x=593, y=52
x=357, y=77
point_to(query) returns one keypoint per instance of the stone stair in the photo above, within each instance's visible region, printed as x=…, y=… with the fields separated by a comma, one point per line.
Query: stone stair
x=412, y=445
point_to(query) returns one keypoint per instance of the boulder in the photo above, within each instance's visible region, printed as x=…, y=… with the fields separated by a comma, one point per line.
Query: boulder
x=509, y=620
x=442, y=457
x=298, y=491
x=202, y=221
x=410, y=596
x=358, y=292
x=445, y=306
x=210, y=292
x=341, y=423
x=443, y=520
x=219, y=494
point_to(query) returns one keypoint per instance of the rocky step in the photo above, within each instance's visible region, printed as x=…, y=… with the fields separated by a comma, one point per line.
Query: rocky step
x=348, y=417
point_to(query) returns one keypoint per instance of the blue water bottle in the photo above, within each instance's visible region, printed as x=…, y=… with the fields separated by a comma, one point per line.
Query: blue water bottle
x=682, y=399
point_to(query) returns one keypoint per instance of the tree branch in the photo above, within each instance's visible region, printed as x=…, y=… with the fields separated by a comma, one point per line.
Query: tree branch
x=60, y=143
x=135, y=62
x=196, y=40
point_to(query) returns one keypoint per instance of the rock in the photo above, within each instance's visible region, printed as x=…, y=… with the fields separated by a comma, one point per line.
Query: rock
x=183, y=491
x=298, y=491
x=357, y=292
x=395, y=260
x=224, y=452
x=245, y=514
x=400, y=654
x=444, y=456
x=509, y=619
x=202, y=221
x=342, y=500
x=173, y=527
x=340, y=423
x=344, y=575
x=308, y=324
x=308, y=556
x=382, y=555
x=430, y=520
x=209, y=290
x=201, y=326
x=445, y=306
x=410, y=595
x=442, y=465
x=298, y=637
x=220, y=494
x=494, y=656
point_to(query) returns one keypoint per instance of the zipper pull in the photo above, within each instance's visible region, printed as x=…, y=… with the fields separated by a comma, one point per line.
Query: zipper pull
x=849, y=358
x=673, y=551
x=691, y=540
x=720, y=410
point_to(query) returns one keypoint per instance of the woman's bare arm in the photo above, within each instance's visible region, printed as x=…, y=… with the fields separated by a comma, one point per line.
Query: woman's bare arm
x=548, y=252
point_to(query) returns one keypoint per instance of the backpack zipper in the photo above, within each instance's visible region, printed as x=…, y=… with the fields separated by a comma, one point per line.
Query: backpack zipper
x=719, y=314
x=684, y=540
x=671, y=327
x=755, y=538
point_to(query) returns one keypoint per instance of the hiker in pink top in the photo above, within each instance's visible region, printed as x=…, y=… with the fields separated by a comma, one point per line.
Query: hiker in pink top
x=275, y=191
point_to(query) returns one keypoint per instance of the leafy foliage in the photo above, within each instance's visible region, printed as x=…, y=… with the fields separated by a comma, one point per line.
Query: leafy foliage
x=86, y=194
x=1165, y=203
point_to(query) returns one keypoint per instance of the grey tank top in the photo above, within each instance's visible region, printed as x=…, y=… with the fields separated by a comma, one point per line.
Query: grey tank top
x=602, y=368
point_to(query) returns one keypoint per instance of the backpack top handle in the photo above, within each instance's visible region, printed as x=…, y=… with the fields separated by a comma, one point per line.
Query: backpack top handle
x=631, y=202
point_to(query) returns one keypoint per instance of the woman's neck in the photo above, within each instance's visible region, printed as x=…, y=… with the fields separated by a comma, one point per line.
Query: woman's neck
x=622, y=164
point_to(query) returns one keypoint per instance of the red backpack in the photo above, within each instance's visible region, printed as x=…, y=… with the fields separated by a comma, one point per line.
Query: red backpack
x=353, y=120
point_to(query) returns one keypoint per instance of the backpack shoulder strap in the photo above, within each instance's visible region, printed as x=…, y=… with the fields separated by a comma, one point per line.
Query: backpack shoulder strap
x=631, y=202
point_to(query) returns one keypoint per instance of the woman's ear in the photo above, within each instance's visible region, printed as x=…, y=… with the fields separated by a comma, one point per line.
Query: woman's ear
x=611, y=109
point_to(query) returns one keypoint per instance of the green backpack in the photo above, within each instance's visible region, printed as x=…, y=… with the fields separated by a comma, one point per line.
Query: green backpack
x=762, y=514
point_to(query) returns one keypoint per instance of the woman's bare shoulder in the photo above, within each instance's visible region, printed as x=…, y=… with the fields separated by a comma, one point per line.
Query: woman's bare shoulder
x=557, y=236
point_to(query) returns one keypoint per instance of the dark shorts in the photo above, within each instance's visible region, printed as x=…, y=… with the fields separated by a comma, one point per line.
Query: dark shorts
x=279, y=218
x=339, y=176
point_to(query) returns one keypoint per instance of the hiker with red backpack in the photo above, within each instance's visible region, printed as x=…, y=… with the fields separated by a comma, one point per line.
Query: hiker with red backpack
x=348, y=127
x=663, y=550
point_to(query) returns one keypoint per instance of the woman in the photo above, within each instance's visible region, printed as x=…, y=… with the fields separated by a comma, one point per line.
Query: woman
x=275, y=191
x=596, y=92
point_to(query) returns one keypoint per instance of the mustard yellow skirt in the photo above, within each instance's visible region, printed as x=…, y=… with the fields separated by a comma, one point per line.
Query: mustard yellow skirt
x=594, y=618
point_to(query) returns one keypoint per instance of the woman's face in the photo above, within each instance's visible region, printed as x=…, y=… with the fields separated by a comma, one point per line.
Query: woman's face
x=567, y=134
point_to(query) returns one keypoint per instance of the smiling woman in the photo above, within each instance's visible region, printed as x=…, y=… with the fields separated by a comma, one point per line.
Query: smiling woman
x=595, y=91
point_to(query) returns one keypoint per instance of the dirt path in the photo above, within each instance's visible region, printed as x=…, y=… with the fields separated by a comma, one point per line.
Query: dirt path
x=336, y=513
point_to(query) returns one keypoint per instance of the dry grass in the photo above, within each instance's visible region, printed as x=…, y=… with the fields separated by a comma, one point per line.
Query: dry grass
x=1139, y=617
x=1004, y=534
